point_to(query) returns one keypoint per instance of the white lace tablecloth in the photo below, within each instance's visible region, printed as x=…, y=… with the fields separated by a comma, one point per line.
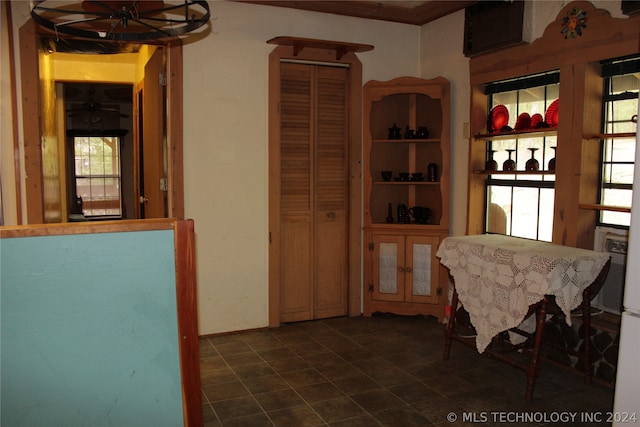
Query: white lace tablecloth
x=498, y=277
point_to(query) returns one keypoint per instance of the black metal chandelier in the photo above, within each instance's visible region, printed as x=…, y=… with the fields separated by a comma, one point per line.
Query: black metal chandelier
x=121, y=20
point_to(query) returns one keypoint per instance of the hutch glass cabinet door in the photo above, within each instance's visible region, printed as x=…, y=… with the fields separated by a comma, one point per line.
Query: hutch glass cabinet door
x=421, y=269
x=388, y=268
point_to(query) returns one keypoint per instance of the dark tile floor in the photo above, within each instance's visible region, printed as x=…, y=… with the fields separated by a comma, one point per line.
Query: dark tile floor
x=380, y=371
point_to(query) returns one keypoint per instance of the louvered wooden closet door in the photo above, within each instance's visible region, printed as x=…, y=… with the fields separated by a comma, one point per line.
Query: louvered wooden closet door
x=314, y=191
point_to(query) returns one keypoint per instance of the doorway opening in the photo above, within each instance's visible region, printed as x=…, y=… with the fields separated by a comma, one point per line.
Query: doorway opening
x=144, y=74
x=100, y=155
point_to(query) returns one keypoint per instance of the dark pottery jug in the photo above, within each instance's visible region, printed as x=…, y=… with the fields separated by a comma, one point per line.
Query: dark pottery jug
x=403, y=214
x=389, y=218
x=422, y=132
x=394, y=132
x=420, y=214
x=432, y=172
x=408, y=133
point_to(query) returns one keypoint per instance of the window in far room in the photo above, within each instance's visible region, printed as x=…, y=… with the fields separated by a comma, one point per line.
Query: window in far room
x=620, y=106
x=96, y=175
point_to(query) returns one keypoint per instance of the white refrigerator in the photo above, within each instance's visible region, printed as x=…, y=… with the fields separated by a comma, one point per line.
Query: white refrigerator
x=627, y=394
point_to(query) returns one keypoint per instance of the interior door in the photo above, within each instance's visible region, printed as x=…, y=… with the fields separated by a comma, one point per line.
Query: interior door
x=331, y=192
x=152, y=135
x=314, y=192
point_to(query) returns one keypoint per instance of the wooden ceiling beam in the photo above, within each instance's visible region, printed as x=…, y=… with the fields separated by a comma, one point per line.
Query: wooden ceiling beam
x=420, y=14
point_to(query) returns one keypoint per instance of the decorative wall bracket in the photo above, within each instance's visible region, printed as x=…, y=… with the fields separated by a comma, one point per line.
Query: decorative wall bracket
x=341, y=48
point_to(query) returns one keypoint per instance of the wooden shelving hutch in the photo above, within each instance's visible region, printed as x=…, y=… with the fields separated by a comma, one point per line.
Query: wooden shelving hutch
x=580, y=114
x=401, y=272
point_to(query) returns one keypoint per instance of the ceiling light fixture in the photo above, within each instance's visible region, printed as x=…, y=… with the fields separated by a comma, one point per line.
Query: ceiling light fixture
x=121, y=20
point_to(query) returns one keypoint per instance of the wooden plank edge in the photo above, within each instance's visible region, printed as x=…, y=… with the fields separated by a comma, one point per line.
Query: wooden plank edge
x=88, y=227
x=187, y=309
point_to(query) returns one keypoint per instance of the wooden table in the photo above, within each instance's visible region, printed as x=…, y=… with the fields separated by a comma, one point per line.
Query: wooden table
x=503, y=280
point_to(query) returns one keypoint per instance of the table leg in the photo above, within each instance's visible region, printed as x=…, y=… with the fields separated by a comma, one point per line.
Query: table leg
x=585, y=355
x=450, y=325
x=533, y=368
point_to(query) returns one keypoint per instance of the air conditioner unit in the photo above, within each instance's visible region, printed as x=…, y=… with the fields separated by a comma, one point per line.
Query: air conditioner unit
x=615, y=242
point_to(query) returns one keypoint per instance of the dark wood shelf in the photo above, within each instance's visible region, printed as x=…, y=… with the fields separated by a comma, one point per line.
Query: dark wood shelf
x=341, y=48
x=406, y=182
x=412, y=140
x=403, y=227
x=516, y=172
x=528, y=133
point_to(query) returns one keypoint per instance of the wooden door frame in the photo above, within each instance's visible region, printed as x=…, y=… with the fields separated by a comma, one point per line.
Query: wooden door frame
x=32, y=150
x=354, y=171
x=30, y=93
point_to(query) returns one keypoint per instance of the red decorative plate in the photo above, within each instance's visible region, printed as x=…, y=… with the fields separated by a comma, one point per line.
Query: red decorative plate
x=535, y=119
x=498, y=117
x=551, y=116
x=523, y=122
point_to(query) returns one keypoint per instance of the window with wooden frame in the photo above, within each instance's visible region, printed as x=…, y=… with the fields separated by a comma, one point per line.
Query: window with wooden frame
x=620, y=105
x=96, y=174
x=520, y=202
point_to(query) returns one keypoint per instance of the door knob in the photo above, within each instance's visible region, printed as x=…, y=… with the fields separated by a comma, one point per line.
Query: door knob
x=144, y=199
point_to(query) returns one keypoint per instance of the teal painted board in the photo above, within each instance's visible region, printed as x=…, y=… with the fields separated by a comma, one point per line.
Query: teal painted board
x=89, y=332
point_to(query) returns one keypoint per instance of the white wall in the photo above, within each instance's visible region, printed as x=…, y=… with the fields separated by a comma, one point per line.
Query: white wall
x=441, y=55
